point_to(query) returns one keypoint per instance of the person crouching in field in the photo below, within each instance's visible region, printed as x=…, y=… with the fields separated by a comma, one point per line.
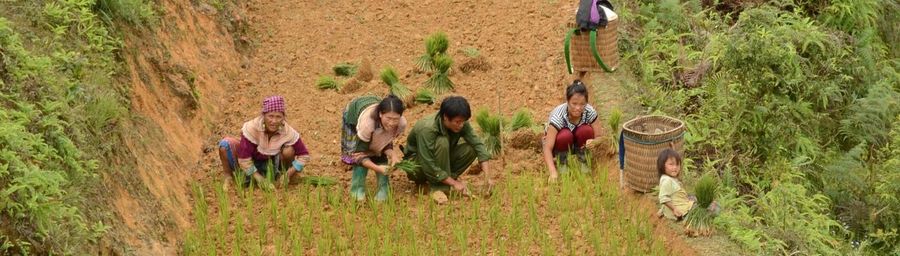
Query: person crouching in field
x=572, y=125
x=370, y=125
x=434, y=143
x=268, y=147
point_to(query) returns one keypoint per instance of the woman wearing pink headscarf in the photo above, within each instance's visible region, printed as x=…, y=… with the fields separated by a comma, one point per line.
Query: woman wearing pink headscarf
x=268, y=147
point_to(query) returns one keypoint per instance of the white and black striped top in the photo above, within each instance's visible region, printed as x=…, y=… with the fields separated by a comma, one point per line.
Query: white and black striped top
x=559, y=117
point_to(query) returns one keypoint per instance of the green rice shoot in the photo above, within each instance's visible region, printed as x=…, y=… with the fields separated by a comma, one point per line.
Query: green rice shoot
x=389, y=77
x=407, y=166
x=521, y=119
x=327, y=83
x=490, y=130
x=440, y=79
x=345, y=69
x=424, y=96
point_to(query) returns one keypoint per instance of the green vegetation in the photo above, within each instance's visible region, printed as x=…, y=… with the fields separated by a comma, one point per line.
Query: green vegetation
x=407, y=166
x=798, y=113
x=327, y=83
x=60, y=117
x=425, y=96
x=521, y=119
x=440, y=79
x=512, y=221
x=345, y=69
x=435, y=45
x=389, y=77
x=490, y=130
x=699, y=219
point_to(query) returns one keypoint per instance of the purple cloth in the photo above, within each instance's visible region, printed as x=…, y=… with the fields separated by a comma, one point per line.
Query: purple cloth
x=273, y=104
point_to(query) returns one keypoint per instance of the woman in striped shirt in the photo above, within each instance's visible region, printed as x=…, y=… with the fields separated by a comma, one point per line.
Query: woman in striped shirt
x=572, y=125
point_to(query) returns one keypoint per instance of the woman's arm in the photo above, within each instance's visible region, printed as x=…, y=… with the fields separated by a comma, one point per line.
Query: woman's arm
x=549, y=142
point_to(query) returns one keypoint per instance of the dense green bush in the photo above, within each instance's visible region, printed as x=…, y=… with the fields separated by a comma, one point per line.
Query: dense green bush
x=59, y=113
x=798, y=108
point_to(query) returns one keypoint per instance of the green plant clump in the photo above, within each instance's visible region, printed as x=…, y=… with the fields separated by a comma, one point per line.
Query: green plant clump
x=521, y=119
x=490, y=130
x=389, y=77
x=327, y=83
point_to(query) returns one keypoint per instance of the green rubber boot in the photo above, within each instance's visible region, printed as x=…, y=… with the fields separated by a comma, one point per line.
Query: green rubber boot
x=383, y=187
x=358, y=183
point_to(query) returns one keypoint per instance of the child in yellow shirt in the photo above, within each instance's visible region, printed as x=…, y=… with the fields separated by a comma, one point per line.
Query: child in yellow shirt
x=673, y=199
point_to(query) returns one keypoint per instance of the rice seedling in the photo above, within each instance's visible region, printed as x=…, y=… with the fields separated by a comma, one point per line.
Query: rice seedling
x=345, y=69
x=389, y=77
x=435, y=44
x=490, y=130
x=407, y=166
x=521, y=119
x=424, y=96
x=318, y=180
x=440, y=79
x=699, y=219
x=327, y=83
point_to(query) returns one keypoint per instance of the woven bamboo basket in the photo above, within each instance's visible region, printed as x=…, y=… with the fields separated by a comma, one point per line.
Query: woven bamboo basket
x=581, y=56
x=644, y=138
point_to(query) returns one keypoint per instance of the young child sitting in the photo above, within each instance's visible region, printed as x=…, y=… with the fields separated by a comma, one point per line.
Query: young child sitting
x=674, y=201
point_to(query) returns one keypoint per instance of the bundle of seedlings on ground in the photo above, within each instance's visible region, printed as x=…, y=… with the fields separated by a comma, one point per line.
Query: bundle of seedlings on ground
x=490, y=130
x=440, y=79
x=327, y=83
x=474, y=61
x=608, y=145
x=698, y=220
x=436, y=44
x=407, y=166
x=521, y=119
x=351, y=86
x=364, y=73
x=319, y=180
x=389, y=77
x=424, y=96
x=345, y=69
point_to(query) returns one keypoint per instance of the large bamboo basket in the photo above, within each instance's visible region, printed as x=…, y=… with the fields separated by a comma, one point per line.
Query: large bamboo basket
x=644, y=138
x=581, y=56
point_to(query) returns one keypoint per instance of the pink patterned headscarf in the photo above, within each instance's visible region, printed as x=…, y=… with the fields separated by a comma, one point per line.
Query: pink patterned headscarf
x=272, y=104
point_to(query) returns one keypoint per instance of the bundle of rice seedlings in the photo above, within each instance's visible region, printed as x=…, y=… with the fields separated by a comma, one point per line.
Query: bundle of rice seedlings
x=318, y=180
x=407, y=166
x=435, y=44
x=424, y=96
x=521, y=119
x=364, y=73
x=440, y=79
x=351, y=85
x=698, y=220
x=389, y=77
x=490, y=130
x=614, y=121
x=327, y=83
x=345, y=69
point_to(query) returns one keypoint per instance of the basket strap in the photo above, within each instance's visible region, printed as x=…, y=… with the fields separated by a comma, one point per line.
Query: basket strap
x=596, y=52
x=643, y=142
x=622, y=150
x=566, y=46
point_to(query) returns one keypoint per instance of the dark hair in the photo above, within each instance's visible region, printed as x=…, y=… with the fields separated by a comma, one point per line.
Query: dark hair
x=577, y=87
x=455, y=106
x=663, y=157
x=391, y=103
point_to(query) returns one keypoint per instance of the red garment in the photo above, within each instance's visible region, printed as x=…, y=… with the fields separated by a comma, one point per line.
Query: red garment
x=273, y=104
x=566, y=139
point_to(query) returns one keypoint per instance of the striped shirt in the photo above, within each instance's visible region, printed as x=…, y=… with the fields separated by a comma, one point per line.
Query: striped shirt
x=559, y=117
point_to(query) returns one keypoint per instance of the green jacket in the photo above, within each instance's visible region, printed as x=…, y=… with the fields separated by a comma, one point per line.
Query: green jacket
x=422, y=144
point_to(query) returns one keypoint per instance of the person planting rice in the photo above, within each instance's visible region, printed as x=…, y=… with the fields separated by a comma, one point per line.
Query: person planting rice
x=572, y=125
x=268, y=147
x=370, y=125
x=434, y=143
